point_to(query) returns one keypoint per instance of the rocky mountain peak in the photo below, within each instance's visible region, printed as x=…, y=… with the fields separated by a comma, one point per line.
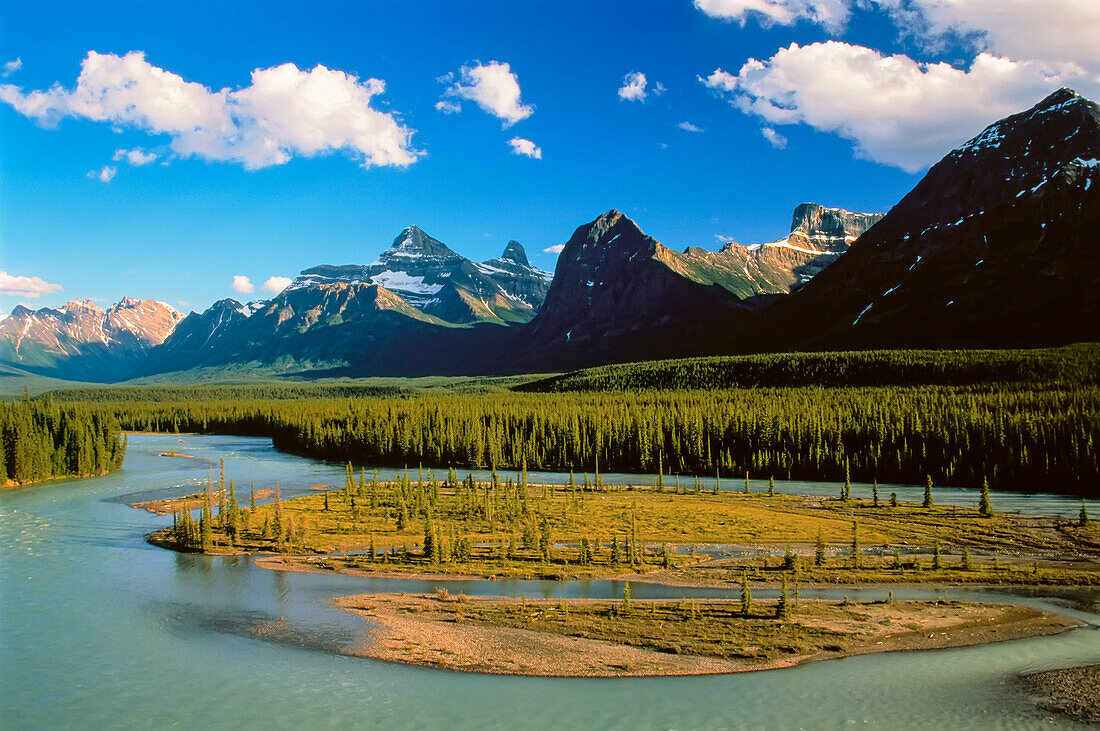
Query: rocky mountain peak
x=413, y=243
x=515, y=252
x=78, y=306
x=819, y=224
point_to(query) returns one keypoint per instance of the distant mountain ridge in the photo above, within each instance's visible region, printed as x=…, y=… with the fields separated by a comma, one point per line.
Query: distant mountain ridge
x=994, y=247
x=818, y=236
x=82, y=340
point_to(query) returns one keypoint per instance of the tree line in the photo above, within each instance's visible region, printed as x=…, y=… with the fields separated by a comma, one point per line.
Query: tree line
x=43, y=439
x=1016, y=436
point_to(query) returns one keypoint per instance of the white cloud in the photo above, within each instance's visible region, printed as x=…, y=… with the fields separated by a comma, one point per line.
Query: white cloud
x=689, y=127
x=1056, y=31
x=243, y=284
x=274, y=284
x=104, y=174
x=897, y=111
x=20, y=286
x=526, y=148
x=493, y=87
x=282, y=113
x=1052, y=31
x=555, y=249
x=832, y=14
x=777, y=140
x=448, y=107
x=634, y=87
x=136, y=157
x=11, y=67
x=723, y=239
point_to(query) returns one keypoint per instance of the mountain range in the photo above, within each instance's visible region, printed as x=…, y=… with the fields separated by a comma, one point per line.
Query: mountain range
x=993, y=247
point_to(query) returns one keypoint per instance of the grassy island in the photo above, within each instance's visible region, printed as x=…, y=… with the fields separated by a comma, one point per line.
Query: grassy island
x=687, y=534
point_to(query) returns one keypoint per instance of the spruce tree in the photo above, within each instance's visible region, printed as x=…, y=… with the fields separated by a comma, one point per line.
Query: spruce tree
x=985, y=507
x=819, y=549
x=783, y=607
x=928, y=491
x=855, y=544
x=937, y=562
x=965, y=563
x=771, y=486
x=893, y=500
x=874, y=493
x=747, y=482
x=746, y=594
x=790, y=560
x=1083, y=515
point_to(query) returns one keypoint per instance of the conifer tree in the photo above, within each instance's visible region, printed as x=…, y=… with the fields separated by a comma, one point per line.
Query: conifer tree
x=252, y=497
x=928, y=491
x=233, y=524
x=847, y=481
x=985, y=507
x=790, y=560
x=771, y=486
x=936, y=560
x=874, y=493
x=585, y=554
x=819, y=549
x=783, y=607
x=747, y=490
x=616, y=552
x=1083, y=515
x=746, y=594
x=893, y=500
x=855, y=544
x=965, y=563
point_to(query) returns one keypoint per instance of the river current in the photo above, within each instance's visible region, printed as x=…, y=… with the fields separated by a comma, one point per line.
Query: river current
x=99, y=629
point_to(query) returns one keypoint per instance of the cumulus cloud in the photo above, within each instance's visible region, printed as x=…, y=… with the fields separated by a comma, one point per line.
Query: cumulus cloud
x=20, y=286
x=527, y=148
x=832, y=14
x=282, y=113
x=493, y=87
x=11, y=67
x=777, y=140
x=448, y=107
x=1052, y=31
x=136, y=157
x=689, y=127
x=274, y=284
x=555, y=249
x=1058, y=31
x=634, y=88
x=104, y=175
x=894, y=109
x=243, y=284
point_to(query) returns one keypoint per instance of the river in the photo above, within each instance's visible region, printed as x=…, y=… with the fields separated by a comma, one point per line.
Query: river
x=99, y=629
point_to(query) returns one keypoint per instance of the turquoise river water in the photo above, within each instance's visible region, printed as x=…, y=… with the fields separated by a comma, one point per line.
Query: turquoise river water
x=99, y=629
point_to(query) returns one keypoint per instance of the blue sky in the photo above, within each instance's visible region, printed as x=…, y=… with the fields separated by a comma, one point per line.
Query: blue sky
x=792, y=100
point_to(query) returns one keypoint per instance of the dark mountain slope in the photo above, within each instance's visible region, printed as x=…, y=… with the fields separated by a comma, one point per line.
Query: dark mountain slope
x=996, y=246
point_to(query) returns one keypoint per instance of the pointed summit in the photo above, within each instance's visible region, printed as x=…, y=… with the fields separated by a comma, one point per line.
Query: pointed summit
x=514, y=252
x=414, y=243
